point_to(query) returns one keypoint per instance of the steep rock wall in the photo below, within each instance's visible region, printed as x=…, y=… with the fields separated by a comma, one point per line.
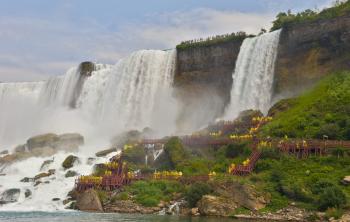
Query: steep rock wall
x=203, y=81
x=309, y=51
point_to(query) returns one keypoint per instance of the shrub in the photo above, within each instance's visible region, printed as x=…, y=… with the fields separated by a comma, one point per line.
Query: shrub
x=270, y=153
x=175, y=151
x=334, y=212
x=149, y=193
x=237, y=149
x=134, y=155
x=195, y=192
x=319, y=186
x=332, y=197
x=148, y=200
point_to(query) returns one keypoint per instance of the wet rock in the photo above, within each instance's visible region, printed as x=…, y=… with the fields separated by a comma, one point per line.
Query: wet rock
x=215, y=206
x=27, y=193
x=5, y=152
x=45, y=140
x=86, y=68
x=56, y=199
x=71, y=173
x=37, y=183
x=69, y=161
x=103, y=153
x=45, y=164
x=10, y=196
x=42, y=175
x=89, y=201
x=27, y=180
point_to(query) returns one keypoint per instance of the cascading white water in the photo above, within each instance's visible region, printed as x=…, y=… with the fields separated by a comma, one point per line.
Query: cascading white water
x=134, y=93
x=254, y=73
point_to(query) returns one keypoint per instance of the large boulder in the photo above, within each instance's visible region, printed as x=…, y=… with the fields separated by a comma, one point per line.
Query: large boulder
x=243, y=194
x=86, y=68
x=216, y=206
x=89, y=201
x=69, y=142
x=10, y=196
x=27, y=193
x=45, y=140
x=69, y=161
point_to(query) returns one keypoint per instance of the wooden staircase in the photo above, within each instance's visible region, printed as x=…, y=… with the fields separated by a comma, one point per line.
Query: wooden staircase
x=242, y=170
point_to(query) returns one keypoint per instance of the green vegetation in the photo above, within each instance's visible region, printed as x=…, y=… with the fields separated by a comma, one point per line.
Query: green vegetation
x=325, y=110
x=195, y=192
x=150, y=193
x=239, y=36
x=313, y=183
x=286, y=19
x=175, y=151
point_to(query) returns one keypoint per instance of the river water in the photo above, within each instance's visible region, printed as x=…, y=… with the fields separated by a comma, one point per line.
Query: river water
x=83, y=217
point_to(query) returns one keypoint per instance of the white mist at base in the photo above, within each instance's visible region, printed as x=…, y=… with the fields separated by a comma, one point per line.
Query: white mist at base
x=133, y=94
x=254, y=74
x=54, y=186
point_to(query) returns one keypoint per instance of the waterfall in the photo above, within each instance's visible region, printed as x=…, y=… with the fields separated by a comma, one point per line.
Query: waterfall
x=134, y=93
x=253, y=74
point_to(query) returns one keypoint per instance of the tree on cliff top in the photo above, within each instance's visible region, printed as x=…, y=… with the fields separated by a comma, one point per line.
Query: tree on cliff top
x=285, y=19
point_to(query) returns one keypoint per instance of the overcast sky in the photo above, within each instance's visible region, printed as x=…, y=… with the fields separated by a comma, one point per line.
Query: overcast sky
x=41, y=38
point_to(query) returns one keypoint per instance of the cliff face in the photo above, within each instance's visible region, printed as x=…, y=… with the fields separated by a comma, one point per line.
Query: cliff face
x=309, y=51
x=203, y=81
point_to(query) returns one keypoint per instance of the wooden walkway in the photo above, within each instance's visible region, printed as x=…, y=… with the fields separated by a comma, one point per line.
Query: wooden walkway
x=242, y=170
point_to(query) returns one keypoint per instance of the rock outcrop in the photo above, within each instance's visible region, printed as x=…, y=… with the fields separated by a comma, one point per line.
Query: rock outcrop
x=40, y=141
x=10, y=196
x=44, y=145
x=69, y=161
x=243, y=195
x=216, y=206
x=203, y=81
x=89, y=201
x=310, y=50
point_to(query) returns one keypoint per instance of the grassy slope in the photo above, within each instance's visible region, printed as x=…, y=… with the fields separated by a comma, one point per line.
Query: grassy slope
x=325, y=110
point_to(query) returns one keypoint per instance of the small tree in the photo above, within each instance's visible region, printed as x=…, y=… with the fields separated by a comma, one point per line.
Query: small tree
x=332, y=197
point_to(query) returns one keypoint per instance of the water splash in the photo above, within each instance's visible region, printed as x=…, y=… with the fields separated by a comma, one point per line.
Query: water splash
x=133, y=94
x=254, y=73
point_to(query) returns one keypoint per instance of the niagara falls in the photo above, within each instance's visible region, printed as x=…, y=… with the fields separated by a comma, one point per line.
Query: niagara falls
x=175, y=111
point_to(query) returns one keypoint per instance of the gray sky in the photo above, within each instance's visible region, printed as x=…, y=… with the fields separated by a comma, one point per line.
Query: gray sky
x=41, y=38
